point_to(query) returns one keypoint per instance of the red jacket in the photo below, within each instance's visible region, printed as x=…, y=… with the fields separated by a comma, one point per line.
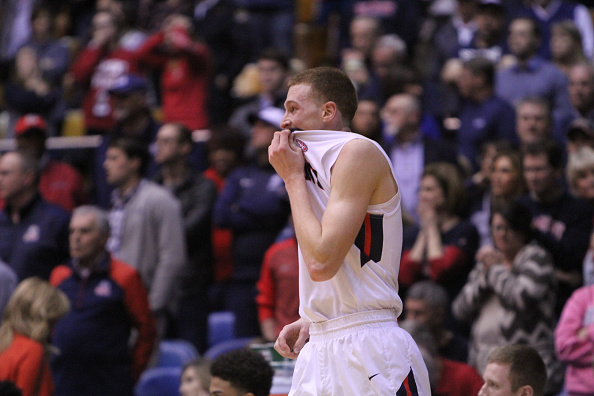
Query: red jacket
x=278, y=287
x=23, y=362
x=96, y=69
x=184, y=79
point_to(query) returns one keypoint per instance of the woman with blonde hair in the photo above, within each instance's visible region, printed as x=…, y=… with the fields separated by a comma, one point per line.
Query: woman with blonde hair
x=580, y=173
x=27, y=322
x=580, y=178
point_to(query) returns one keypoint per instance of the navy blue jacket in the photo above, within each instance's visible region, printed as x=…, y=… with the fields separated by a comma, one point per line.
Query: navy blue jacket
x=254, y=205
x=38, y=243
x=95, y=358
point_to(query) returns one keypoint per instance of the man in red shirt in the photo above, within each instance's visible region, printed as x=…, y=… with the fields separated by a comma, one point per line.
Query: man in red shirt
x=60, y=183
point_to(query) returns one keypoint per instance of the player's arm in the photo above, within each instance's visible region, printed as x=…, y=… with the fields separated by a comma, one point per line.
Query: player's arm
x=355, y=177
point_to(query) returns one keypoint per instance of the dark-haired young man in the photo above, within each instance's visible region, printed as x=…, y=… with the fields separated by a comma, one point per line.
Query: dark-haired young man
x=348, y=221
x=241, y=372
x=196, y=195
x=562, y=223
x=146, y=224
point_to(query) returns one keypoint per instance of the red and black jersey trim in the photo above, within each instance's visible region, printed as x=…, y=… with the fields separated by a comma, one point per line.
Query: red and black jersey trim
x=409, y=386
x=370, y=239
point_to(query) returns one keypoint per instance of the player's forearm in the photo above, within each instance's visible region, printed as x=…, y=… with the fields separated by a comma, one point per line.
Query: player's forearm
x=317, y=254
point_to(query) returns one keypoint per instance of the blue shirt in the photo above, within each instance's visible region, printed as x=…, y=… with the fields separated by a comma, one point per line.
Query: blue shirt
x=492, y=119
x=539, y=78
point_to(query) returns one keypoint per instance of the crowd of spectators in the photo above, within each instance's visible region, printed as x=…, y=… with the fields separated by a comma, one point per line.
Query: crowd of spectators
x=485, y=108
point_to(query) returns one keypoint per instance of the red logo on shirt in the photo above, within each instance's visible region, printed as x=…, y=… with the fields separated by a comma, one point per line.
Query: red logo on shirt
x=301, y=144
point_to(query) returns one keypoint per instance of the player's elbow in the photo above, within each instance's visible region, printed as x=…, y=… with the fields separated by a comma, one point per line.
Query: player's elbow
x=321, y=271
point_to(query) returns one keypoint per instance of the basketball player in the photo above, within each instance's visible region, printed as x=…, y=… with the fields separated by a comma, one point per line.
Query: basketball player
x=348, y=222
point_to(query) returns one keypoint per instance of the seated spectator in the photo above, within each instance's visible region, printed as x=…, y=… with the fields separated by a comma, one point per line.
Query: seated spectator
x=581, y=90
x=27, y=324
x=534, y=121
x=60, y=183
x=110, y=303
x=254, y=206
x=152, y=13
x=132, y=112
x=225, y=35
x=514, y=370
x=366, y=84
x=532, y=75
x=364, y=32
x=131, y=37
x=197, y=196
x=546, y=13
x=133, y=119
x=489, y=40
x=566, y=45
x=574, y=341
x=241, y=371
x=410, y=150
x=271, y=23
x=184, y=71
x=580, y=133
x=103, y=60
x=52, y=54
x=428, y=304
x=33, y=232
x=273, y=71
x=562, y=224
x=146, y=227
x=367, y=121
x=483, y=114
x=447, y=377
x=278, y=287
x=580, y=173
x=441, y=248
x=510, y=294
x=391, y=70
x=195, y=379
x=580, y=177
x=455, y=33
x=29, y=92
x=225, y=152
x=506, y=184
x=399, y=17
x=480, y=181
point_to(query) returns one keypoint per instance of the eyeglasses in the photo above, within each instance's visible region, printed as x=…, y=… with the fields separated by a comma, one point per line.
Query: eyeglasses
x=500, y=228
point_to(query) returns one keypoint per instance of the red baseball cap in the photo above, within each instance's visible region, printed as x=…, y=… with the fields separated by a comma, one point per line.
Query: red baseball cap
x=28, y=122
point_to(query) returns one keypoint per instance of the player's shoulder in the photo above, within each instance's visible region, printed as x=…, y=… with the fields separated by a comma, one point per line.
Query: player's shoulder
x=360, y=146
x=361, y=150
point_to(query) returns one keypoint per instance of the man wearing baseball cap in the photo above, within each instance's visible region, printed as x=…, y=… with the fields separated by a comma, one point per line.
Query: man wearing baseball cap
x=60, y=183
x=255, y=207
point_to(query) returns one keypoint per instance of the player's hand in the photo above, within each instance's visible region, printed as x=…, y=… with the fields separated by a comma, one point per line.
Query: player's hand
x=286, y=156
x=292, y=338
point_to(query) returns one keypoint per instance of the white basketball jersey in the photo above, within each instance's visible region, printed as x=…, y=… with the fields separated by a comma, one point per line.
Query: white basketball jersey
x=368, y=278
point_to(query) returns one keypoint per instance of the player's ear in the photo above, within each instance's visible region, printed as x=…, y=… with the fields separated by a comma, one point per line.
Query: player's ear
x=526, y=390
x=329, y=111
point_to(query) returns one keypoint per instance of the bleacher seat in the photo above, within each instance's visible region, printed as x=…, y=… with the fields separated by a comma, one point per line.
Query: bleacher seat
x=221, y=327
x=175, y=353
x=226, y=346
x=159, y=381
